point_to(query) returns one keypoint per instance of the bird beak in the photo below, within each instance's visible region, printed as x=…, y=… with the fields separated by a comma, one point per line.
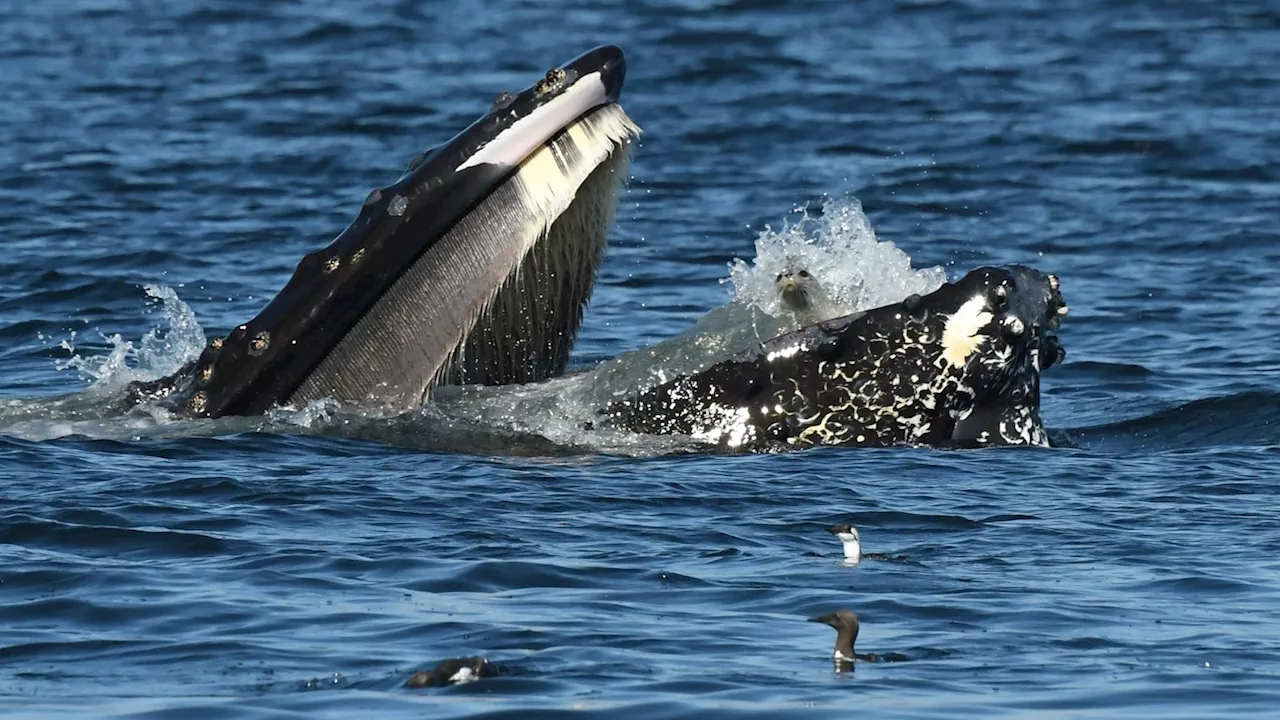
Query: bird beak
x=833, y=530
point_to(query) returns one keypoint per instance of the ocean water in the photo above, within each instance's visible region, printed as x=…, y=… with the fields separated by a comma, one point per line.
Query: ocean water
x=165, y=165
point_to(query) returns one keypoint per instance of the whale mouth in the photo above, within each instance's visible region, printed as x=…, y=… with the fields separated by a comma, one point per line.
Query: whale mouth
x=475, y=266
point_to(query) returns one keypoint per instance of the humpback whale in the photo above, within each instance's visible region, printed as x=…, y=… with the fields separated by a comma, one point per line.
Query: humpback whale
x=957, y=367
x=474, y=267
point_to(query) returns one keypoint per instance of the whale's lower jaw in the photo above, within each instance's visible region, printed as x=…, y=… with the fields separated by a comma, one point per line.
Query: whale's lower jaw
x=474, y=266
x=500, y=297
x=497, y=298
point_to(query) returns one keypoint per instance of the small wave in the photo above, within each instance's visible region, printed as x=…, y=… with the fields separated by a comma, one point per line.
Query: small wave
x=496, y=576
x=838, y=245
x=894, y=520
x=1195, y=586
x=1242, y=419
x=106, y=540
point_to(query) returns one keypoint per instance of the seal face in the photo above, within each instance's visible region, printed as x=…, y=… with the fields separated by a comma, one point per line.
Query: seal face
x=803, y=296
x=794, y=289
x=944, y=370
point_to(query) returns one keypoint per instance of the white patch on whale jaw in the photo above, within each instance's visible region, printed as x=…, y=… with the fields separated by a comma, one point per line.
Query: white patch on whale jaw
x=962, y=335
x=514, y=144
x=549, y=179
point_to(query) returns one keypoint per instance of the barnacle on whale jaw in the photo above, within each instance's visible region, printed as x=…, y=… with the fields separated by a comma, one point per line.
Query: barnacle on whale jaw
x=553, y=81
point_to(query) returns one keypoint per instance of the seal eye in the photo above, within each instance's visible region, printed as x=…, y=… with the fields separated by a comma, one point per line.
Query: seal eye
x=804, y=273
x=779, y=278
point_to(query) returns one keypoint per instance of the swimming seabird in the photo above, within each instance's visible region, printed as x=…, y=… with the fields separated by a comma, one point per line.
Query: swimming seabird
x=848, y=535
x=454, y=671
x=846, y=624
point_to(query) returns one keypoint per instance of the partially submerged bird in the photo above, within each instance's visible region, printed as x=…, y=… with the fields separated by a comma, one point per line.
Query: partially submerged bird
x=846, y=624
x=454, y=671
x=848, y=535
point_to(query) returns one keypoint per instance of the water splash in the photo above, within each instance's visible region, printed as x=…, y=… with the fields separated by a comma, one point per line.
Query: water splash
x=157, y=353
x=315, y=413
x=92, y=411
x=838, y=246
x=839, y=249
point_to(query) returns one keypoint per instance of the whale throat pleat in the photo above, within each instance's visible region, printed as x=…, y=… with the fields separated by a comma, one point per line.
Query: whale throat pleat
x=500, y=297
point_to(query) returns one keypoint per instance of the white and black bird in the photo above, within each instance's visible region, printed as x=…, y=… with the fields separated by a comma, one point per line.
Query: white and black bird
x=848, y=535
x=454, y=671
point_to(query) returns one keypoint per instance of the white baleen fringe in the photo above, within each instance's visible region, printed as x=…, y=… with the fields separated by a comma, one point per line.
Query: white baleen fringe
x=542, y=190
x=548, y=180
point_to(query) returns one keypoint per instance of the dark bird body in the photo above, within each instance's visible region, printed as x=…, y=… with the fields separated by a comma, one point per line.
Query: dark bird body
x=454, y=671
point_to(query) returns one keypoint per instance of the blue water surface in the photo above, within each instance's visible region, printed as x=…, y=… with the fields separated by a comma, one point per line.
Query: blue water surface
x=1131, y=148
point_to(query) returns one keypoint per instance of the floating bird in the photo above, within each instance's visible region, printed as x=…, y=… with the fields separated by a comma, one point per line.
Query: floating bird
x=848, y=535
x=846, y=624
x=454, y=671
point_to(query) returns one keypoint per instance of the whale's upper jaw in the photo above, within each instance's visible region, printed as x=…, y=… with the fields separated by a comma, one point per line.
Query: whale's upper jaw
x=560, y=140
x=1025, y=308
x=959, y=366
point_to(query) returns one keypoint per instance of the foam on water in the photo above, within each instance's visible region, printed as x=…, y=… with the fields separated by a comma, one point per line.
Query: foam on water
x=92, y=411
x=838, y=246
